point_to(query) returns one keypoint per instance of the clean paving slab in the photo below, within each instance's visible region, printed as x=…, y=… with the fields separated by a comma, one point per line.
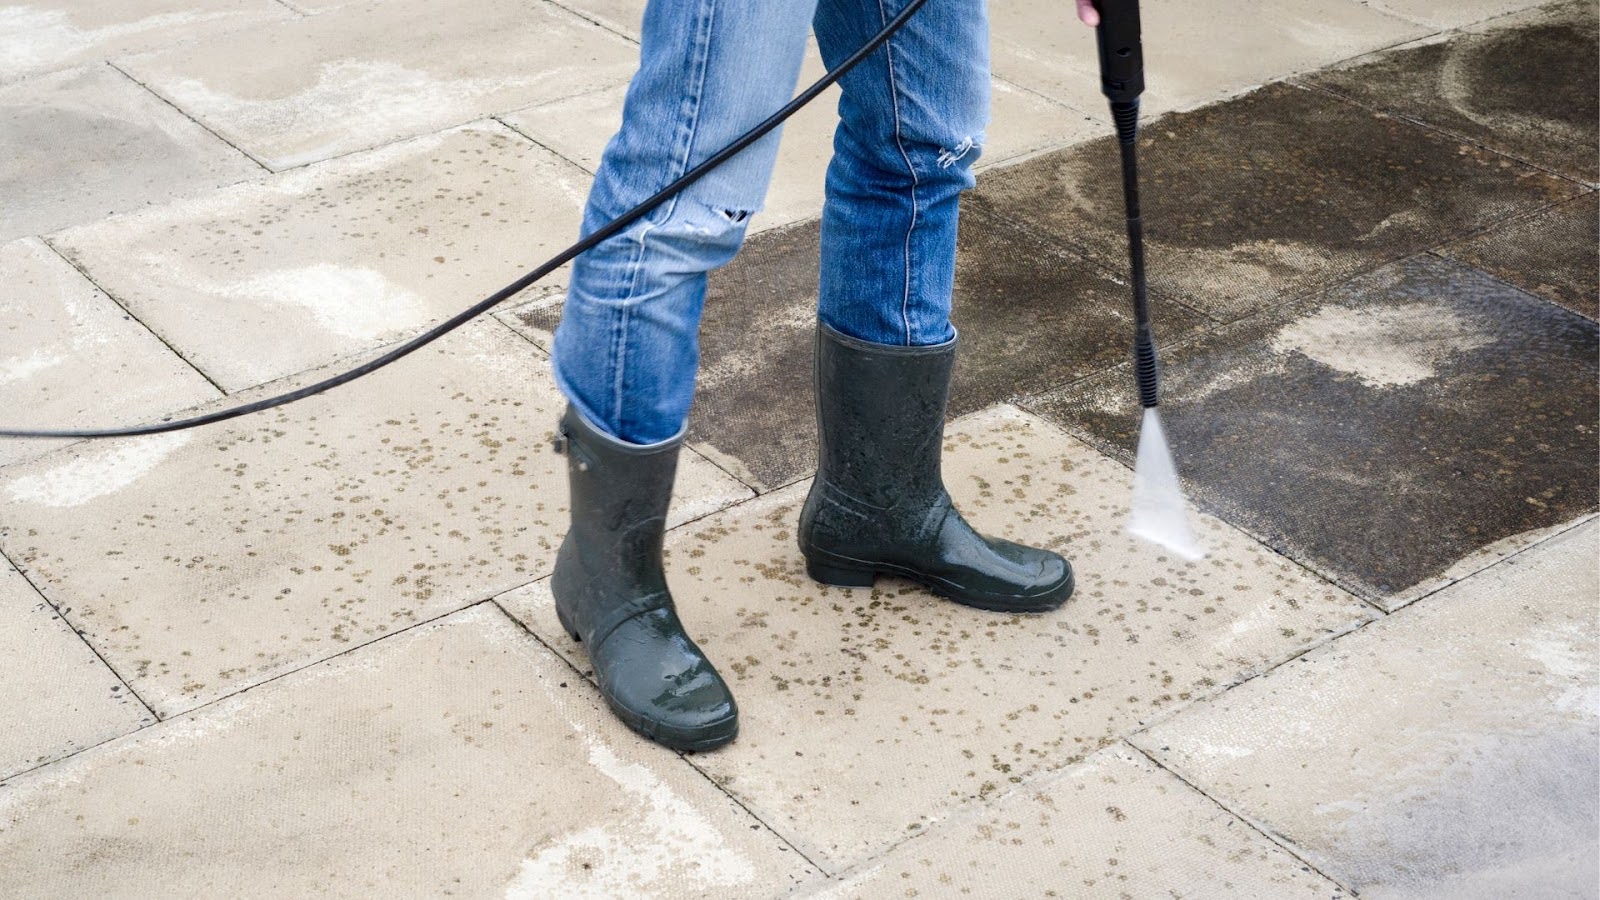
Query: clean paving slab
x=1450, y=13
x=1115, y=825
x=54, y=34
x=457, y=759
x=58, y=696
x=203, y=562
x=70, y=357
x=1554, y=253
x=366, y=75
x=1525, y=85
x=868, y=715
x=81, y=144
x=1449, y=750
x=626, y=17
x=1195, y=51
x=1270, y=196
x=277, y=276
x=1379, y=433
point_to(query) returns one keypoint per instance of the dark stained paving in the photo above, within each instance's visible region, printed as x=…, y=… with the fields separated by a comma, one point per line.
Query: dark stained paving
x=1383, y=431
x=1555, y=254
x=1271, y=196
x=1526, y=89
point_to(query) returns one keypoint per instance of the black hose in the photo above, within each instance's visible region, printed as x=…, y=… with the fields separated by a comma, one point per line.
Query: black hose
x=605, y=231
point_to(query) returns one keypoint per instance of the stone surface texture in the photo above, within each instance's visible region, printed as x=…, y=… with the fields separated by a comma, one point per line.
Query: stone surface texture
x=1554, y=253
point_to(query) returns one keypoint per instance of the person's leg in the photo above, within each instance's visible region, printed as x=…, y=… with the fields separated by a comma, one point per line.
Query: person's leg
x=912, y=120
x=626, y=350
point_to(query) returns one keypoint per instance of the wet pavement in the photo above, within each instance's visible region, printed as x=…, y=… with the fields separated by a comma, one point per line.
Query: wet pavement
x=313, y=651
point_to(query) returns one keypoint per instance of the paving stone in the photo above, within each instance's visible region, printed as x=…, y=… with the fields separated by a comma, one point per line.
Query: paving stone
x=1195, y=51
x=276, y=276
x=459, y=758
x=1526, y=86
x=57, y=695
x=1270, y=196
x=204, y=562
x=84, y=143
x=1029, y=315
x=868, y=715
x=1021, y=122
x=55, y=34
x=1555, y=254
x=1383, y=431
x=71, y=357
x=361, y=76
x=1114, y=826
x=622, y=16
x=1450, y=13
x=1449, y=750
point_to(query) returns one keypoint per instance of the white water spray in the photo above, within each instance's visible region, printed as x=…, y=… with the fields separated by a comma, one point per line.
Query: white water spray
x=1159, y=513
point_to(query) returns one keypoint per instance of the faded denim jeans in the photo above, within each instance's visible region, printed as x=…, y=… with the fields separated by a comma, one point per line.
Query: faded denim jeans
x=911, y=126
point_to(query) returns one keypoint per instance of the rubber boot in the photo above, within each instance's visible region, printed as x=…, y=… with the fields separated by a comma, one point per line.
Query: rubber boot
x=611, y=592
x=878, y=503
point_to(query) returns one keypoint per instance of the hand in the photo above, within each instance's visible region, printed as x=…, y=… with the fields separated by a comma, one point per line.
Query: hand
x=1088, y=13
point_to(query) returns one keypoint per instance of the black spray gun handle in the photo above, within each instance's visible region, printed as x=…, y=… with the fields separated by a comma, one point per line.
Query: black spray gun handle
x=1121, y=56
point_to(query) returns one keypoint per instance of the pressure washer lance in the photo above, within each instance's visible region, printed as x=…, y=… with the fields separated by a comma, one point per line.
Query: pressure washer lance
x=1159, y=513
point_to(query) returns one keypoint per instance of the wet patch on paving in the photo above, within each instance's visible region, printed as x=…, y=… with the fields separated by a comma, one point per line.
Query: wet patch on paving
x=1555, y=254
x=1383, y=431
x=1271, y=196
x=1526, y=88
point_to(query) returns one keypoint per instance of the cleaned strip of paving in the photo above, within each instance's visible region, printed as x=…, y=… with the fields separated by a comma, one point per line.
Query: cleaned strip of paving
x=868, y=715
x=204, y=562
x=309, y=266
x=57, y=695
x=1554, y=254
x=362, y=76
x=1380, y=432
x=79, y=145
x=69, y=356
x=1114, y=826
x=457, y=759
x=1451, y=13
x=1450, y=750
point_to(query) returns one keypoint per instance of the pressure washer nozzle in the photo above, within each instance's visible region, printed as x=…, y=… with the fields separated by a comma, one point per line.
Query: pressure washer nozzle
x=1146, y=370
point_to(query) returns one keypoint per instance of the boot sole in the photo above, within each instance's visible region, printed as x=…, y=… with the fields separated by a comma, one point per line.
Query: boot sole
x=859, y=573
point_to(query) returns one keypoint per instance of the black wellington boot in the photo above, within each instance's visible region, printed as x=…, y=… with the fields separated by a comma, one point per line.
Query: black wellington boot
x=878, y=503
x=611, y=592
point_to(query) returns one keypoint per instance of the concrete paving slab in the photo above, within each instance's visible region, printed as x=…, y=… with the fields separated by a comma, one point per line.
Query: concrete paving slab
x=1383, y=431
x=277, y=276
x=205, y=562
x=71, y=357
x=1450, y=750
x=43, y=35
x=361, y=76
x=1450, y=13
x=79, y=145
x=1555, y=254
x=1029, y=315
x=626, y=17
x=457, y=759
x=866, y=716
x=1114, y=826
x=1195, y=51
x=57, y=695
x=1270, y=196
x=1021, y=122
x=1526, y=86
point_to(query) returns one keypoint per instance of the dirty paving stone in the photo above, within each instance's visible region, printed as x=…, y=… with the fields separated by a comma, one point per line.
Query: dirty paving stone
x=78, y=145
x=58, y=696
x=365, y=75
x=201, y=563
x=1029, y=315
x=1554, y=254
x=1381, y=432
x=1270, y=196
x=1115, y=825
x=867, y=715
x=1528, y=86
x=1449, y=750
x=458, y=759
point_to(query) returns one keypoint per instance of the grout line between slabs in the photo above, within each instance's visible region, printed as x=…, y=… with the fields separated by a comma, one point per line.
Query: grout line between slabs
x=180, y=111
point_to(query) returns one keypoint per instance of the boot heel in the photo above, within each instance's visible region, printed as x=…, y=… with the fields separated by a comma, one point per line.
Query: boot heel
x=838, y=576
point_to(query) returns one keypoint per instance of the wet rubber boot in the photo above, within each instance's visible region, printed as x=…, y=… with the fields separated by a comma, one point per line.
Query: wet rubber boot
x=878, y=503
x=611, y=593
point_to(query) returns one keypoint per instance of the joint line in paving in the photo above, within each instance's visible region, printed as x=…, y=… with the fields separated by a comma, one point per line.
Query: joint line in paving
x=180, y=110
x=593, y=21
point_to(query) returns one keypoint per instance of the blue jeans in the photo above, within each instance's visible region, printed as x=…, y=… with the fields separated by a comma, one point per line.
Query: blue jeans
x=911, y=126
